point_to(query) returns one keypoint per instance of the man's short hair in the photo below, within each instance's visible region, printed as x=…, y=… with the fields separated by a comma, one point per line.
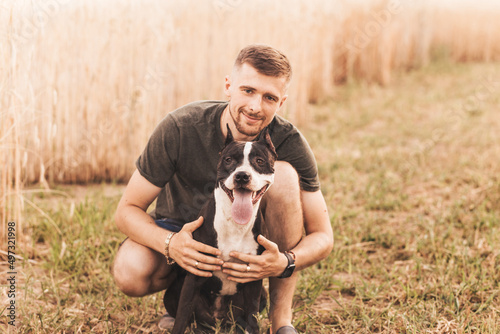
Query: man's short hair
x=266, y=60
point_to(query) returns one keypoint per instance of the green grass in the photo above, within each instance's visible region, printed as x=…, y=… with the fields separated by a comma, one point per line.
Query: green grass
x=70, y=288
x=410, y=173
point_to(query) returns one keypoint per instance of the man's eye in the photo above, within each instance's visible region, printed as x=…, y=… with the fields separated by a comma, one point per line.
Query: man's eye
x=270, y=98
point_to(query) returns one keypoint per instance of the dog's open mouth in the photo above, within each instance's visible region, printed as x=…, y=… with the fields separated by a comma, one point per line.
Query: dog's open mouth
x=256, y=195
x=243, y=201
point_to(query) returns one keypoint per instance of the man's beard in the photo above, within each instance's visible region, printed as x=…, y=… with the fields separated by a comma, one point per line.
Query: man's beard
x=241, y=127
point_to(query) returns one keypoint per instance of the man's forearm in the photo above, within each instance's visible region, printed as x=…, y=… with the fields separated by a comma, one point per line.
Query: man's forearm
x=140, y=227
x=312, y=249
x=318, y=242
x=131, y=217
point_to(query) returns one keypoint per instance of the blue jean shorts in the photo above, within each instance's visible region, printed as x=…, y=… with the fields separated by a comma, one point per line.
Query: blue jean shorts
x=170, y=224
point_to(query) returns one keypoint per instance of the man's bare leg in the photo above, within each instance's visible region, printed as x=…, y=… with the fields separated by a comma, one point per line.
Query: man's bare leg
x=284, y=225
x=139, y=271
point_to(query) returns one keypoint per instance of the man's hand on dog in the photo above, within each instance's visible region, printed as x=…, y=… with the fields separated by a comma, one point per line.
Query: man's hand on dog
x=189, y=253
x=271, y=263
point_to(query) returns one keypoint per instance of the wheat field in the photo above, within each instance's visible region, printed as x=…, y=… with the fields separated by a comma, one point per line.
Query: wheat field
x=83, y=83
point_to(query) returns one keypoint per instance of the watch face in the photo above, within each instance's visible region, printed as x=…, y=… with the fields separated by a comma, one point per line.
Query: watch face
x=290, y=267
x=288, y=271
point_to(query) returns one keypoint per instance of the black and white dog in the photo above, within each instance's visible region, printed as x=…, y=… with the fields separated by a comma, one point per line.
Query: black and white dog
x=232, y=222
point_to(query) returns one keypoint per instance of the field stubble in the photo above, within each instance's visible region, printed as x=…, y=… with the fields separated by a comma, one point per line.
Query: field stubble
x=411, y=173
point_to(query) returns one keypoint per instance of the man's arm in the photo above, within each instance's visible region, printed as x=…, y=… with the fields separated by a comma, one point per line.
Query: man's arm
x=132, y=219
x=318, y=242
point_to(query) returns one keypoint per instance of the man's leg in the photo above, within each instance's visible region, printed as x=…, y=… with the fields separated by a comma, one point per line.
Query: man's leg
x=284, y=225
x=139, y=271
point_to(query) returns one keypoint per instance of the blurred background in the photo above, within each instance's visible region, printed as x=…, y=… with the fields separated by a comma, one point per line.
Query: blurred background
x=84, y=83
x=398, y=99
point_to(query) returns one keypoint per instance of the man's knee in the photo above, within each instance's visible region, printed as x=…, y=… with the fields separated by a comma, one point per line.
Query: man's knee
x=132, y=271
x=282, y=208
x=286, y=182
x=126, y=279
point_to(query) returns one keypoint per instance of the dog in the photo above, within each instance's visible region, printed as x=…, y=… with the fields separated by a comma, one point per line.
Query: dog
x=232, y=222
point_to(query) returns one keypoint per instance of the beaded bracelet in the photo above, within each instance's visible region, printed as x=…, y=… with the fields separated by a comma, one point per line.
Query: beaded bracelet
x=170, y=261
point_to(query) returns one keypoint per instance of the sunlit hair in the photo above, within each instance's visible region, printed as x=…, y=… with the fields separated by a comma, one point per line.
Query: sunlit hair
x=266, y=60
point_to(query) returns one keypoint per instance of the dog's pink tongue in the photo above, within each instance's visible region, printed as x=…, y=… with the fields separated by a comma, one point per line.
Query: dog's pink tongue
x=242, y=206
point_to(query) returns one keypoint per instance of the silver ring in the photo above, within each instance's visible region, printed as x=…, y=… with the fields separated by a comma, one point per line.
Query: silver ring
x=248, y=267
x=196, y=264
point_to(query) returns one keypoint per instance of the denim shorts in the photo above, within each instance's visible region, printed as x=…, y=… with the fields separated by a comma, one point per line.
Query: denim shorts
x=170, y=224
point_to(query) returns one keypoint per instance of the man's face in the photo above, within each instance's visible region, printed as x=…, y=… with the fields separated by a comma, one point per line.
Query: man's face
x=254, y=99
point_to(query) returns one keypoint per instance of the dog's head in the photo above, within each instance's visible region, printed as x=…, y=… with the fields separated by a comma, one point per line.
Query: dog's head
x=245, y=171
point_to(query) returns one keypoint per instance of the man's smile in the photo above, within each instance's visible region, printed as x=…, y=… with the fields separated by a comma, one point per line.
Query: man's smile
x=252, y=119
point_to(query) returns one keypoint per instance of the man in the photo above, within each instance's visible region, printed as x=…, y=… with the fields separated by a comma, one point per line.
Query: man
x=178, y=166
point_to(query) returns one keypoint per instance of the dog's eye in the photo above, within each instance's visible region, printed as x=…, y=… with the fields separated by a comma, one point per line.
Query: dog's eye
x=228, y=160
x=260, y=162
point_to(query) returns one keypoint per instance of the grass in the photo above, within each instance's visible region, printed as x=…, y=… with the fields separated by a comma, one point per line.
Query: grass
x=410, y=175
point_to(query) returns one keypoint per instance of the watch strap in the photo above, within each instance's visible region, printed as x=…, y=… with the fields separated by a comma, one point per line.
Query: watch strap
x=291, y=265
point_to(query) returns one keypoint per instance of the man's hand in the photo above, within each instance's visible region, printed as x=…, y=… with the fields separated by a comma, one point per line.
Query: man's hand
x=188, y=253
x=270, y=263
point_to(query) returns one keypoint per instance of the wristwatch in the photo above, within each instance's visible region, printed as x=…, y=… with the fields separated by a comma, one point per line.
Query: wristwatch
x=291, y=265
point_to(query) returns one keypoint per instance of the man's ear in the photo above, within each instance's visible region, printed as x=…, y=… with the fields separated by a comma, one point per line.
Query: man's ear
x=227, y=86
x=229, y=137
x=283, y=99
x=265, y=139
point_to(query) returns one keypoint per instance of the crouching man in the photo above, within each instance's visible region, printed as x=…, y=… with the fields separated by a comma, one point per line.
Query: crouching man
x=178, y=168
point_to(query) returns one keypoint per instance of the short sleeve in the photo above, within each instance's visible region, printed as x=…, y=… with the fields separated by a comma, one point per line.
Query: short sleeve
x=296, y=151
x=158, y=161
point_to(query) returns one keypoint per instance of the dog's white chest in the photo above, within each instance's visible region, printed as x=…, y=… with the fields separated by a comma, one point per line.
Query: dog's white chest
x=232, y=237
x=235, y=242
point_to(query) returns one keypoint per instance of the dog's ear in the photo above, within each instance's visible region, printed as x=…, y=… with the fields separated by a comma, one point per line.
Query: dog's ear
x=265, y=139
x=229, y=137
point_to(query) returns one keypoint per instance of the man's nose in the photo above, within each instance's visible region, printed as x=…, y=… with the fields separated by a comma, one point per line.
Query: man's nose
x=256, y=103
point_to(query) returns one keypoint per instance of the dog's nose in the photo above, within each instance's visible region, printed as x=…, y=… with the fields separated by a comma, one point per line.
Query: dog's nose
x=242, y=178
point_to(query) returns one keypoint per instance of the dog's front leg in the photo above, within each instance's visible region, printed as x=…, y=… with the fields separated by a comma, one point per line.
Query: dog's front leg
x=187, y=301
x=252, y=303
